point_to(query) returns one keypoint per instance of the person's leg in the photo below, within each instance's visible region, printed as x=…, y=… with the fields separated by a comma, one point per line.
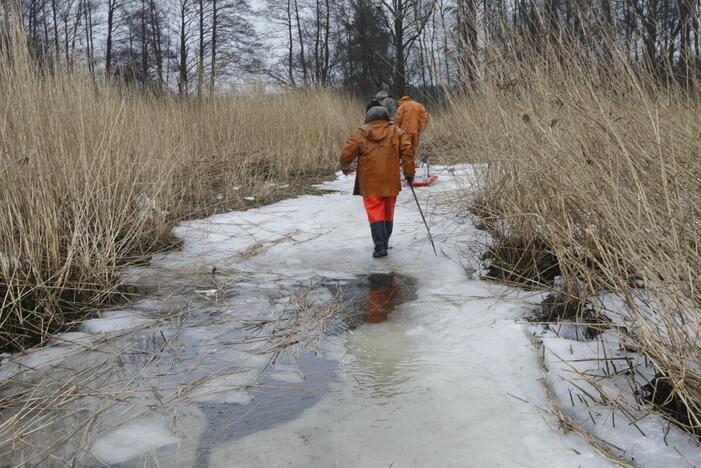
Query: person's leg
x=390, y=203
x=415, y=142
x=375, y=208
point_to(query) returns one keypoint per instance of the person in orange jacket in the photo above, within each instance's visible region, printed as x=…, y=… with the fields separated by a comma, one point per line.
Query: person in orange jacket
x=412, y=117
x=381, y=149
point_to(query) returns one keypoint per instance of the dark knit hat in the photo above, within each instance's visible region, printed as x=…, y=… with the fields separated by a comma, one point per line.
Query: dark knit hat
x=373, y=103
x=377, y=113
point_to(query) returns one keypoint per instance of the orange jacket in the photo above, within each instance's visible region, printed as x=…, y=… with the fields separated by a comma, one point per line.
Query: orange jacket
x=380, y=147
x=411, y=116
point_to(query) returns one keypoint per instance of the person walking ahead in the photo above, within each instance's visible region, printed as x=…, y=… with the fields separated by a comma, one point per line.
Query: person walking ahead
x=380, y=148
x=413, y=119
x=386, y=100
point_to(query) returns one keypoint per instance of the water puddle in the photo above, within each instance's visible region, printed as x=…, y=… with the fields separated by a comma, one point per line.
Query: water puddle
x=282, y=393
x=197, y=366
x=372, y=298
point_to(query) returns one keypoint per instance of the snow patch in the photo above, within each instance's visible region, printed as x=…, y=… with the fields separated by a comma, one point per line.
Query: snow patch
x=634, y=435
x=113, y=322
x=130, y=441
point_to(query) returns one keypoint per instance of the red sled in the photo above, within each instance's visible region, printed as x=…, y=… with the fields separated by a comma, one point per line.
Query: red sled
x=424, y=183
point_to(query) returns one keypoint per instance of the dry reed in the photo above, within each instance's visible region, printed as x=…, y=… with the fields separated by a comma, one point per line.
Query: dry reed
x=596, y=166
x=93, y=178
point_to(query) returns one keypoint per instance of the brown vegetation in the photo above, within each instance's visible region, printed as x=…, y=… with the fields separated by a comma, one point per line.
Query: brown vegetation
x=93, y=179
x=598, y=167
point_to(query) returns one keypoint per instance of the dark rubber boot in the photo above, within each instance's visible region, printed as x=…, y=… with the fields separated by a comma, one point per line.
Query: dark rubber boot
x=379, y=238
x=379, y=253
x=389, y=226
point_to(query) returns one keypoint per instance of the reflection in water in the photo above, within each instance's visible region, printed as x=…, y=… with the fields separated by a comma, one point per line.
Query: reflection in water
x=381, y=298
x=369, y=300
x=383, y=360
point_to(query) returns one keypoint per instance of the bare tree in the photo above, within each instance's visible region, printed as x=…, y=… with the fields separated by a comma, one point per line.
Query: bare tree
x=184, y=16
x=303, y=59
x=406, y=20
x=201, y=51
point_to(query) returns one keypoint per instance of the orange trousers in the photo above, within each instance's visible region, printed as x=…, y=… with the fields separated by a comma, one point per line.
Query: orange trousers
x=380, y=209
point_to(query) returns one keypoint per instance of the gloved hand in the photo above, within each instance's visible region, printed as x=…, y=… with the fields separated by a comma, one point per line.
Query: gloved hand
x=409, y=180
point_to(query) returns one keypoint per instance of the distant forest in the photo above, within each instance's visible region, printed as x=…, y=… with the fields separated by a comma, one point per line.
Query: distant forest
x=200, y=47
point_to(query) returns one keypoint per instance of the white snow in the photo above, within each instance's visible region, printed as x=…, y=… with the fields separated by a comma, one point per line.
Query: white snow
x=134, y=439
x=34, y=360
x=628, y=430
x=113, y=321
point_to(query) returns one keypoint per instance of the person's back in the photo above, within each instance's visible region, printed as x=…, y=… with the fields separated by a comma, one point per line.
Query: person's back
x=387, y=102
x=381, y=149
x=412, y=117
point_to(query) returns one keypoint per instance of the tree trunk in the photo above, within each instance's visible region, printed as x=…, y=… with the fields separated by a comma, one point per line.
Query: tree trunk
x=144, y=47
x=45, y=24
x=182, y=80
x=317, y=43
x=327, y=50
x=75, y=32
x=422, y=63
x=200, y=60
x=290, y=50
x=301, y=44
x=213, y=65
x=446, y=50
x=89, y=38
x=650, y=36
x=111, y=6
x=400, y=61
x=156, y=42
x=467, y=24
x=684, y=10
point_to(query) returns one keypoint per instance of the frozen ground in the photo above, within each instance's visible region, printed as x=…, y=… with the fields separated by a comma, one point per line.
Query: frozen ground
x=599, y=383
x=243, y=355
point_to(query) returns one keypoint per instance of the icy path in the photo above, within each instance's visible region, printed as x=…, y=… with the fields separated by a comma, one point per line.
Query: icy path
x=440, y=384
x=451, y=379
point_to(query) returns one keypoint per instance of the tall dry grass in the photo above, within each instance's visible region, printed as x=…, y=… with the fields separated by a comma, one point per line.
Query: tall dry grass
x=593, y=171
x=93, y=178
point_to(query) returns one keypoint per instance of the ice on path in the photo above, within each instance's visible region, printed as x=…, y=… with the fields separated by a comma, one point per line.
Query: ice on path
x=226, y=389
x=114, y=321
x=132, y=440
x=435, y=385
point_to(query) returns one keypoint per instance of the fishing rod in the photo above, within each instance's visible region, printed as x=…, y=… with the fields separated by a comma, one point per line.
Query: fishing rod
x=428, y=229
